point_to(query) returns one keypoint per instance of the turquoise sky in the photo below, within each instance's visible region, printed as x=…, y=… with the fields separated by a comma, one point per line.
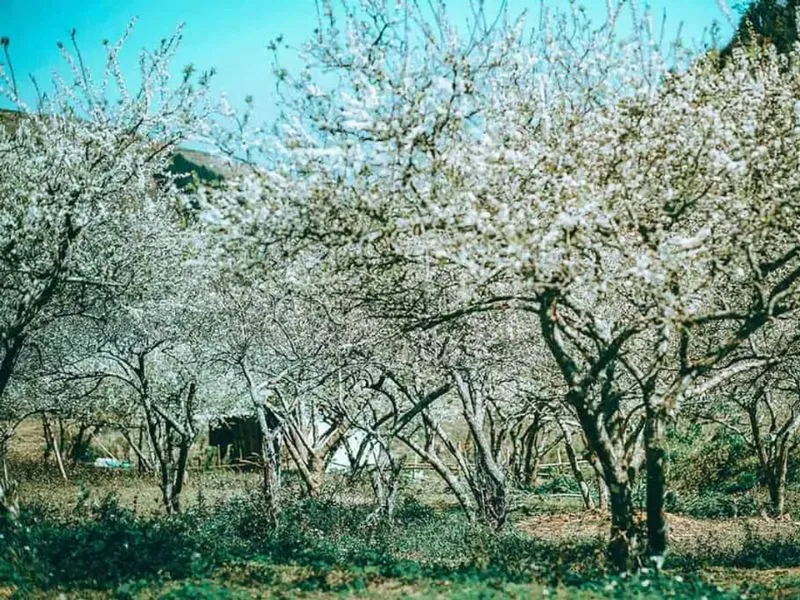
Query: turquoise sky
x=230, y=35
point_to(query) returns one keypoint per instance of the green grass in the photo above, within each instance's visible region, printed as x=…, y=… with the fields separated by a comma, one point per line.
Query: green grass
x=104, y=535
x=320, y=549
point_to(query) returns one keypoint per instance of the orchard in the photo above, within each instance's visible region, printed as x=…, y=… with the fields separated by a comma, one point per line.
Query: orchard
x=480, y=280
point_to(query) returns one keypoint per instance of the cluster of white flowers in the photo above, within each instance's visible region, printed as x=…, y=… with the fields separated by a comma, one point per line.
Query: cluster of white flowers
x=642, y=208
x=488, y=223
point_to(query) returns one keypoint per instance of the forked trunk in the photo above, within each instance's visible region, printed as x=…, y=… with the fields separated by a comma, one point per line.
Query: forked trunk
x=491, y=499
x=172, y=477
x=171, y=448
x=270, y=461
x=384, y=486
x=623, y=547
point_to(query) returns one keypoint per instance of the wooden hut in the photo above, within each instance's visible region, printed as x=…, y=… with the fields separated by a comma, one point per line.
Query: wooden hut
x=238, y=439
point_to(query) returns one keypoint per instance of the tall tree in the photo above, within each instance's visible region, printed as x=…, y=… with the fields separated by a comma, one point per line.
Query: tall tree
x=767, y=22
x=76, y=169
x=645, y=215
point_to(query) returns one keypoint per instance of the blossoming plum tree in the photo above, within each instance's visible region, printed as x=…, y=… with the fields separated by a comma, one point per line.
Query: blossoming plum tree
x=153, y=347
x=643, y=208
x=77, y=166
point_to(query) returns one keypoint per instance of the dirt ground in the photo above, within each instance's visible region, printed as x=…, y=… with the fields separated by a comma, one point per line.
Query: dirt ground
x=687, y=535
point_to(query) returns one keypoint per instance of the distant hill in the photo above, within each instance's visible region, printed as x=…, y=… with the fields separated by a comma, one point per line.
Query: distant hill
x=9, y=118
x=205, y=167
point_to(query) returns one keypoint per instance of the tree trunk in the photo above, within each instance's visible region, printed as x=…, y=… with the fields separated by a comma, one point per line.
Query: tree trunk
x=529, y=468
x=384, y=485
x=143, y=463
x=490, y=497
x=655, y=457
x=602, y=488
x=9, y=500
x=453, y=483
x=588, y=503
x=158, y=446
x=776, y=496
x=776, y=482
x=305, y=463
x=316, y=470
x=180, y=474
x=81, y=442
x=53, y=443
x=167, y=495
x=14, y=340
x=48, y=440
x=623, y=546
x=310, y=463
x=171, y=468
x=270, y=461
x=270, y=485
x=488, y=481
x=602, y=492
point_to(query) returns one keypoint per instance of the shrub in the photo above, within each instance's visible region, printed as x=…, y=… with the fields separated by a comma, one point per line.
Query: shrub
x=335, y=547
x=711, y=505
x=722, y=464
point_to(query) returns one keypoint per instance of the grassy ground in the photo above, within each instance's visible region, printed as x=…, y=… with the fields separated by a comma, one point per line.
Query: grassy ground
x=332, y=553
x=102, y=535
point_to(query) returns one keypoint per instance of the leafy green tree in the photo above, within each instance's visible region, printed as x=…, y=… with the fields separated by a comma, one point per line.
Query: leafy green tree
x=767, y=21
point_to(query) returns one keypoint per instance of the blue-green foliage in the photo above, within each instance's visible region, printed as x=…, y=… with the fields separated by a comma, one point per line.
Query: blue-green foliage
x=210, y=548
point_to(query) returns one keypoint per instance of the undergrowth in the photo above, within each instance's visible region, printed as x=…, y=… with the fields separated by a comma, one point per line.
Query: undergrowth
x=325, y=546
